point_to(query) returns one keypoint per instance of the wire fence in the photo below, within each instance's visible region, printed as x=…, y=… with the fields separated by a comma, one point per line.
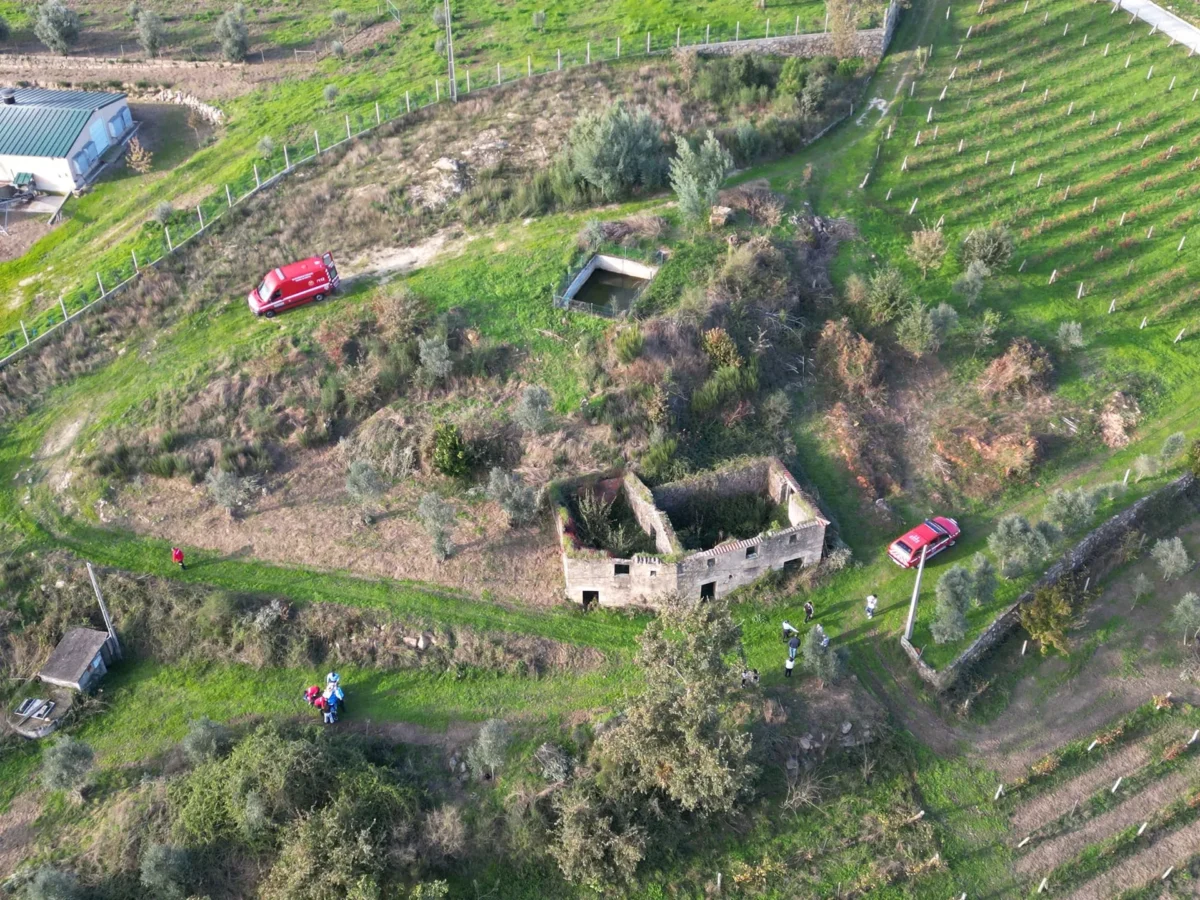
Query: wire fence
x=121, y=267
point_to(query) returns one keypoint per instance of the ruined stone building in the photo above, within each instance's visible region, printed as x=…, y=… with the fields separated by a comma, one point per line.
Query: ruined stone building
x=699, y=537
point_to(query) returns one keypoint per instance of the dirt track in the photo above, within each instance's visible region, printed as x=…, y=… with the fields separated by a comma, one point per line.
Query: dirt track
x=1171, y=850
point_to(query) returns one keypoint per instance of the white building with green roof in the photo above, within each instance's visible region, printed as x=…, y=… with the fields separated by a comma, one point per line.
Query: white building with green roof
x=58, y=139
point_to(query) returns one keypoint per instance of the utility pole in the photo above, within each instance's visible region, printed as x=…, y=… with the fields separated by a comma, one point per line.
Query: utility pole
x=450, y=52
x=912, y=609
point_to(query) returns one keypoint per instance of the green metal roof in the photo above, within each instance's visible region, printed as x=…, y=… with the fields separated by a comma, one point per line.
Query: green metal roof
x=23, y=178
x=39, y=131
x=51, y=99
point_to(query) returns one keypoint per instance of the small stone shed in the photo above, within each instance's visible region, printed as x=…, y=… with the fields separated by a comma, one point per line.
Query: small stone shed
x=80, y=660
x=595, y=576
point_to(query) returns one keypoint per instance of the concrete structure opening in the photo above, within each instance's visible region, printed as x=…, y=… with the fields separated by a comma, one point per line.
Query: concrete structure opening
x=607, y=284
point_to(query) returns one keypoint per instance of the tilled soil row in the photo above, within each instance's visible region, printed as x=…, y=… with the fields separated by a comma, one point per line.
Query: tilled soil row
x=1172, y=850
x=1045, y=809
x=1137, y=809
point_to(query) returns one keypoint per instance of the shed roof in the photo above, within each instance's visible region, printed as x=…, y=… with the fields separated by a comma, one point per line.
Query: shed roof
x=73, y=655
x=44, y=122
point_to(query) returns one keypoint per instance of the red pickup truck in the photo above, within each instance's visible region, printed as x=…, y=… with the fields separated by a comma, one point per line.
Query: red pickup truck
x=295, y=284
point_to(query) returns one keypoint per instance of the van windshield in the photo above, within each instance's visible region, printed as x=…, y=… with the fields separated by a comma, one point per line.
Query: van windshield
x=902, y=548
x=262, y=291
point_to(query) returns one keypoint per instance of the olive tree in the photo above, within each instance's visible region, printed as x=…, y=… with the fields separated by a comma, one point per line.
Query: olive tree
x=437, y=516
x=971, y=283
x=46, y=883
x=151, y=32
x=927, y=250
x=233, y=35
x=229, y=490
x=616, y=150
x=56, y=26
x=533, y=409
x=66, y=765
x=696, y=176
x=1172, y=558
x=487, y=753
x=1186, y=616
x=1019, y=545
x=1071, y=510
x=364, y=485
x=992, y=246
x=518, y=499
x=166, y=871
x=205, y=740
x=954, y=591
x=983, y=580
x=819, y=658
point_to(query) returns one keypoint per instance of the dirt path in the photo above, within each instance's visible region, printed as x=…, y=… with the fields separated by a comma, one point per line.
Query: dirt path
x=1048, y=807
x=457, y=734
x=1134, y=811
x=1170, y=850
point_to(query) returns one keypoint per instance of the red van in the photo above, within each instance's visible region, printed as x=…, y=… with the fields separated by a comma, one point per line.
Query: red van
x=292, y=285
x=937, y=534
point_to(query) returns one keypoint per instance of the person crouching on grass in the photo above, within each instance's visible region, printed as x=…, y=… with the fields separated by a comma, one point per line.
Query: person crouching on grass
x=177, y=557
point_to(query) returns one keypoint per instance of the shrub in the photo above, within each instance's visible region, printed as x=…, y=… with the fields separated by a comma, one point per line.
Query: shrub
x=439, y=16
x=539, y=20
x=338, y=49
x=1186, y=616
x=486, y=754
x=435, y=357
x=1142, y=587
x=616, y=150
x=945, y=320
x=363, y=483
x=266, y=146
x=992, y=246
x=629, y=343
x=954, y=591
x=151, y=32
x=819, y=658
x=1145, y=466
x=330, y=93
x=971, y=283
x=232, y=34
x=437, y=517
x=533, y=409
x=589, y=845
x=166, y=871
x=1019, y=545
x=720, y=348
x=792, y=76
x=229, y=490
x=983, y=579
x=340, y=19
x=518, y=500
x=1071, y=511
x=138, y=158
x=56, y=26
x=451, y=455
x=812, y=98
x=1193, y=458
x=66, y=764
x=887, y=294
x=1172, y=447
x=696, y=177
x=51, y=884
x=1070, y=336
x=1024, y=368
x=445, y=833
x=1049, y=614
x=163, y=212
x=554, y=763
x=927, y=249
x=132, y=11
x=915, y=331
x=1172, y=557
x=205, y=740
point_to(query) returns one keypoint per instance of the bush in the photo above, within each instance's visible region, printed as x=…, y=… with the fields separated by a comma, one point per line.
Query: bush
x=1019, y=545
x=629, y=343
x=945, y=320
x=266, y=146
x=1186, y=616
x=233, y=35
x=330, y=93
x=435, y=358
x=163, y=212
x=1172, y=558
x=1070, y=336
x=518, y=500
x=887, y=294
x=539, y=20
x=338, y=49
x=819, y=658
x=533, y=409
x=554, y=763
x=927, y=249
x=983, y=580
x=720, y=348
x=205, y=740
x=696, y=177
x=1049, y=614
x=1071, y=511
x=1172, y=447
x=617, y=151
x=792, y=76
x=589, y=845
x=66, y=764
x=151, y=32
x=138, y=158
x=1142, y=587
x=229, y=490
x=451, y=455
x=486, y=754
x=992, y=246
x=915, y=331
x=812, y=98
x=340, y=19
x=363, y=483
x=437, y=516
x=132, y=11
x=1145, y=466
x=1193, y=458
x=954, y=591
x=56, y=26
x=166, y=871
x=971, y=283
x=51, y=884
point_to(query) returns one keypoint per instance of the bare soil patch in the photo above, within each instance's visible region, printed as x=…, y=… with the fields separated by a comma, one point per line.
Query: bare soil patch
x=1048, y=807
x=24, y=230
x=1170, y=850
x=17, y=832
x=1137, y=809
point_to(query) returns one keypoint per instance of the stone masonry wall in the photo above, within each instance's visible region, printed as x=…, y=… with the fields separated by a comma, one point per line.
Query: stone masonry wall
x=729, y=567
x=1091, y=555
x=652, y=519
x=868, y=43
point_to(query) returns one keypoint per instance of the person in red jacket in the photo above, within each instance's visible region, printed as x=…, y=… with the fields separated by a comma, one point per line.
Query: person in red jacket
x=177, y=557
